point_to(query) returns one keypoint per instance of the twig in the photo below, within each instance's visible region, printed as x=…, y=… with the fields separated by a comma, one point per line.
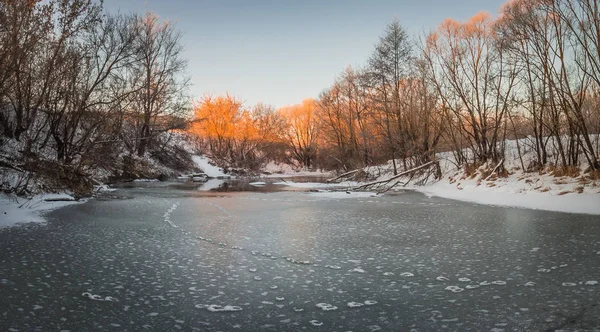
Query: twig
x=342, y=175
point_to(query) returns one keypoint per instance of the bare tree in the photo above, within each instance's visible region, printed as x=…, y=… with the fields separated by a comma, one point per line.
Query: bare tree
x=161, y=99
x=472, y=80
x=388, y=66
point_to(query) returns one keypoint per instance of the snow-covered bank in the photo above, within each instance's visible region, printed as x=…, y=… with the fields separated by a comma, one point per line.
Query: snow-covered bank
x=17, y=210
x=207, y=167
x=587, y=203
x=542, y=190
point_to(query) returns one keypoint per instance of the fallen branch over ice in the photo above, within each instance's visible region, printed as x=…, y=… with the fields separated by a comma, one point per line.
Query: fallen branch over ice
x=342, y=176
x=410, y=171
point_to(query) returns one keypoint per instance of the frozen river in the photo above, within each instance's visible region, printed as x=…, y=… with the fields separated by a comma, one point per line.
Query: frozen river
x=160, y=257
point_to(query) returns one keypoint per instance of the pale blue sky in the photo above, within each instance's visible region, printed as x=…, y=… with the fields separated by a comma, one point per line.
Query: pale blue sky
x=280, y=52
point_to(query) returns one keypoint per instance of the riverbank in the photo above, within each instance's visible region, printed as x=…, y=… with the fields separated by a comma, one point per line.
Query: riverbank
x=576, y=190
x=513, y=195
x=16, y=210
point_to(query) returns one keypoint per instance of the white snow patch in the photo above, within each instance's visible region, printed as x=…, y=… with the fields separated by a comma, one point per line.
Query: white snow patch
x=98, y=297
x=16, y=210
x=454, y=289
x=355, y=304
x=326, y=306
x=204, y=164
x=510, y=195
x=219, y=308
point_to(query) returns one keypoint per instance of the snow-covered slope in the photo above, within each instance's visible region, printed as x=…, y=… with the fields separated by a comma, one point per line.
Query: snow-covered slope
x=204, y=164
x=535, y=190
x=514, y=193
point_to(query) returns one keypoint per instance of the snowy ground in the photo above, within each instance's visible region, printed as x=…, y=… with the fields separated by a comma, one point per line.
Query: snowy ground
x=532, y=190
x=514, y=193
x=16, y=210
x=205, y=165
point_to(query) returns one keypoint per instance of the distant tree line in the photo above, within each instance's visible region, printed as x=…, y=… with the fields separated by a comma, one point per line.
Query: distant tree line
x=82, y=88
x=533, y=73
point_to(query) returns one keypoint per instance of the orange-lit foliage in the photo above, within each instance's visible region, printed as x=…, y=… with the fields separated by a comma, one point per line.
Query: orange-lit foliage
x=234, y=135
x=215, y=117
x=301, y=130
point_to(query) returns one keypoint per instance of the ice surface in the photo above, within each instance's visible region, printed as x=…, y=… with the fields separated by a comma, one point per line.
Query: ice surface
x=340, y=194
x=409, y=247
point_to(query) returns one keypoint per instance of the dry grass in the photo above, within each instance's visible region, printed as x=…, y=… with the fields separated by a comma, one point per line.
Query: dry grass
x=545, y=189
x=471, y=169
x=594, y=175
x=564, y=192
x=560, y=171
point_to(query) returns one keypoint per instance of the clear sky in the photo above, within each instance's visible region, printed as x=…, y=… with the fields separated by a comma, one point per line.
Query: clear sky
x=282, y=51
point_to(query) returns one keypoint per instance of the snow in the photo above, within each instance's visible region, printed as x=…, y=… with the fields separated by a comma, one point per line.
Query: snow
x=512, y=196
x=520, y=189
x=279, y=170
x=204, y=164
x=16, y=210
x=219, y=308
x=99, y=298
